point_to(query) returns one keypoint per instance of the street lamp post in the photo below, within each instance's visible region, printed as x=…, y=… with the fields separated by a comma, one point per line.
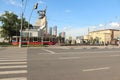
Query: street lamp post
x=20, y=40
x=35, y=7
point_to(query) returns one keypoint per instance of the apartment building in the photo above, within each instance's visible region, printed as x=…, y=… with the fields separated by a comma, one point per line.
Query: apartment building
x=105, y=36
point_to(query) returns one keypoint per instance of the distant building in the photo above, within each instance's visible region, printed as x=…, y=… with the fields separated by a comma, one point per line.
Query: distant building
x=55, y=30
x=1, y=38
x=104, y=36
x=79, y=39
x=62, y=34
x=70, y=37
x=50, y=30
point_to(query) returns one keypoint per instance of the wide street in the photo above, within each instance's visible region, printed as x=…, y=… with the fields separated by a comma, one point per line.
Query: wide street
x=60, y=63
x=73, y=64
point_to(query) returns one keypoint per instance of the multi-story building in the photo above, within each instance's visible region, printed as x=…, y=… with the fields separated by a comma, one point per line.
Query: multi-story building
x=79, y=39
x=50, y=30
x=62, y=37
x=63, y=34
x=104, y=36
x=55, y=30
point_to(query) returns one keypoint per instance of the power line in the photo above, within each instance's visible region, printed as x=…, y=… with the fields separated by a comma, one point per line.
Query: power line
x=25, y=6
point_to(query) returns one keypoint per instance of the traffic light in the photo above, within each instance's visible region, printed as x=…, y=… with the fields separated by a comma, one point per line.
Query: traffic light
x=36, y=6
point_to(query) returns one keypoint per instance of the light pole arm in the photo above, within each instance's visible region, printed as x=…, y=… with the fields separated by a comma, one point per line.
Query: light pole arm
x=35, y=7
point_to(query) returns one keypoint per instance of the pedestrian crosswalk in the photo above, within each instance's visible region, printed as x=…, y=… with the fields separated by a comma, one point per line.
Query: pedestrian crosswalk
x=13, y=69
x=13, y=66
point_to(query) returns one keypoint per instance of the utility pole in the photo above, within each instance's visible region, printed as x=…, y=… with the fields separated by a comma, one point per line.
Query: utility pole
x=105, y=35
x=20, y=40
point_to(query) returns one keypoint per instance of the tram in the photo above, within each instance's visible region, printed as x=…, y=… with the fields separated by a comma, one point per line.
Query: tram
x=34, y=40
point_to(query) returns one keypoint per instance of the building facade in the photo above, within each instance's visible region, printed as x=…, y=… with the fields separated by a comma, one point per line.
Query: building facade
x=63, y=34
x=50, y=30
x=104, y=36
x=1, y=38
x=55, y=30
x=40, y=26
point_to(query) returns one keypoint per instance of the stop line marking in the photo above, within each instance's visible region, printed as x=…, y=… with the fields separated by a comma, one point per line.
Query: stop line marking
x=15, y=60
x=21, y=66
x=13, y=63
x=12, y=72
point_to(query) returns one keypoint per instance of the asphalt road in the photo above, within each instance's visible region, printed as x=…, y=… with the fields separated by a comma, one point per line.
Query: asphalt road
x=73, y=64
x=13, y=63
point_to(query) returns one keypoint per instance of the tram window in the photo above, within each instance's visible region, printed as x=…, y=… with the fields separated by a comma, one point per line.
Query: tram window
x=14, y=39
x=24, y=39
x=35, y=39
x=31, y=39
x=39, y=39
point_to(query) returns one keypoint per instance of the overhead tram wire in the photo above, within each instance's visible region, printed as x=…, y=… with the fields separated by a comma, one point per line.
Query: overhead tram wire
x=25, y=6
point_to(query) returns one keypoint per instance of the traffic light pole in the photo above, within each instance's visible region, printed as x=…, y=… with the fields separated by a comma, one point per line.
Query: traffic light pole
x=20, y=40
x=35, y=7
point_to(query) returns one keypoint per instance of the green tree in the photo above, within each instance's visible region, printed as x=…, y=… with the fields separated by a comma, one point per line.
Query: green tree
x=91, y=40
x=25, y=24
x=8, y=21
x=11, y=25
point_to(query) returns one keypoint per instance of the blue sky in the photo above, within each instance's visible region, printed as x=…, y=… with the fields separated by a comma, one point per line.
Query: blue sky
x=72, y=16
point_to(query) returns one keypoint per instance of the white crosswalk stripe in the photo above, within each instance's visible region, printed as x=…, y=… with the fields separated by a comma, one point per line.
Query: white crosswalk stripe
x=18, y=78
x=13, y=72
x=20, y=66
x=13, y=63
x=13, y=67
x=14, y=60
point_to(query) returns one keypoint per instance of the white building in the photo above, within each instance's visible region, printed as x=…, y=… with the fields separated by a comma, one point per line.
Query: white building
x=50, y=30
x=1, y=39
x=40, y=26
x=55, y=30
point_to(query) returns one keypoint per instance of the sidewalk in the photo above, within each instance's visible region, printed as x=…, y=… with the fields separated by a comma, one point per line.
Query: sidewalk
x=69, y=47
x=83, y=47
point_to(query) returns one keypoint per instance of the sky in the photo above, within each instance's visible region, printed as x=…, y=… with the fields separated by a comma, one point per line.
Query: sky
x=72, y=16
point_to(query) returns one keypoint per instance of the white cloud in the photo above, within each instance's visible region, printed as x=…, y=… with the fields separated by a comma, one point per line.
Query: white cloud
x=94, y=27
x=14, y=3
x=114, y=24
x=101, y=25
x=67, y=11
x=41, y=2
x=67, y=28
x=76, y=32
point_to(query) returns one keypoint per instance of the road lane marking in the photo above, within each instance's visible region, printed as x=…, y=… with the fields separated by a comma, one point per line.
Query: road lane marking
x=12, y=72
x=20, y=66
x=96, y=69
x=114, y=55
x=63, y=58
x=13, y=63
x=17, y=78
x=49, y=51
